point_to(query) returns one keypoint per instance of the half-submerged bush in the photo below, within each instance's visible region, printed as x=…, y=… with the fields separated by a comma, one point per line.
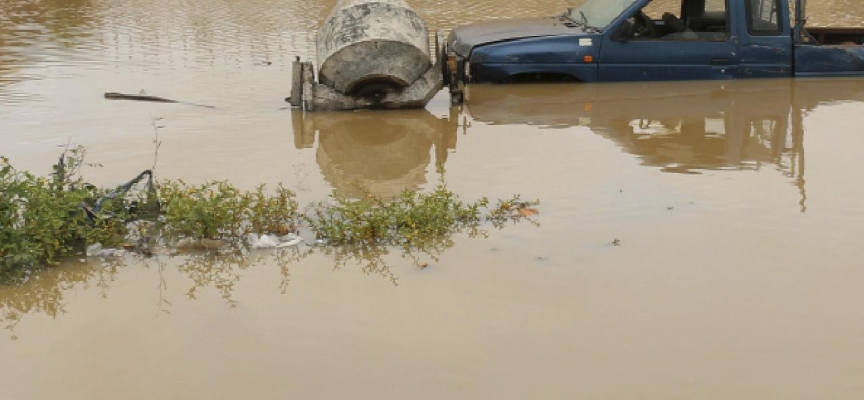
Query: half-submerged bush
x=409, y=219
x=221, y=211
x=45, y=219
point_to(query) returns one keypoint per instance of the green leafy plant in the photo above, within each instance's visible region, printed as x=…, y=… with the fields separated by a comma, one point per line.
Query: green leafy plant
x=273, y=214
x=214, y=210
x=405, y=219
x=219, y=210
x=412, y=218
x=43, y=219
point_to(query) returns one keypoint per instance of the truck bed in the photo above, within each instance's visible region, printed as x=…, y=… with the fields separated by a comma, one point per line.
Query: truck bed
x=832, y=36
x=828, y=52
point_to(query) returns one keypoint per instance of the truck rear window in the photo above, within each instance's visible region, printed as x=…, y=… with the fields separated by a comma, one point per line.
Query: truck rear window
x=763, y=17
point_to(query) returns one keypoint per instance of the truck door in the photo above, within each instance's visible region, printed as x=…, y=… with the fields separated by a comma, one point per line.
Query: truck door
x=696, y=42
x=765, y=40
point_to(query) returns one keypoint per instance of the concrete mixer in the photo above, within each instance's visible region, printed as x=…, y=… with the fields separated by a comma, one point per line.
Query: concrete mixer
x=371, y=54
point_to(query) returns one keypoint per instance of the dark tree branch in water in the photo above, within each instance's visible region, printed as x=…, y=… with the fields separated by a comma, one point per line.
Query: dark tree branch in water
x=154, y=99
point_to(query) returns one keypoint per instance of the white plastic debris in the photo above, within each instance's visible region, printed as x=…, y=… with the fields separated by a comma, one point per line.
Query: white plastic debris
x=96, y=250
x=273, y=241
x=289, y=241
x=266, y=242
x=93, y=249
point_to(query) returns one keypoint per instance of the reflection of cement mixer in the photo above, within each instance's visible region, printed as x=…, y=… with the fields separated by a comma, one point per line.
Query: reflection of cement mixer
x=380, y=153
x=372, y=54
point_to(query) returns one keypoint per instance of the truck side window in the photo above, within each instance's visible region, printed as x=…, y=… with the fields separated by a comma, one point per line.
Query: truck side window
x=715, y=6
x=655, y=9
x=698, y=20
x=763, y=17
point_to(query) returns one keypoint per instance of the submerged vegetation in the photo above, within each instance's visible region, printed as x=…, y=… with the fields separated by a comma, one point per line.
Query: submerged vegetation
x=221, y=211
x=44, y=220
x=410, y=218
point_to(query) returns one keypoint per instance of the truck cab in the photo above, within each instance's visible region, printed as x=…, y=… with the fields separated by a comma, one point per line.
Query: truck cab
x=640, y=40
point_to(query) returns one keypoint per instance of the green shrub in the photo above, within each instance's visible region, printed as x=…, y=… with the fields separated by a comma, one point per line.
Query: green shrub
x=219, y=210
x=411, y=219
x=43, y=219
x=214, y=210
x=272, y=214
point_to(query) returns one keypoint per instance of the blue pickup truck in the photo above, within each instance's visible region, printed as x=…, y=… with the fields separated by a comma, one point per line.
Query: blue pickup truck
x=616, y=40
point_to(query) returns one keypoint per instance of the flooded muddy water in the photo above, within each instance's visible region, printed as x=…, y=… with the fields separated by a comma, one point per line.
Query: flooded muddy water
x=696, y=240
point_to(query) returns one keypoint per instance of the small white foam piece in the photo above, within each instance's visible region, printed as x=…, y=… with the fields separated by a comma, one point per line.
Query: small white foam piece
x=93, y=250
x=264, y=242
x=288, y=238
x=290, y=243
x=272, y=241
x=96, y=250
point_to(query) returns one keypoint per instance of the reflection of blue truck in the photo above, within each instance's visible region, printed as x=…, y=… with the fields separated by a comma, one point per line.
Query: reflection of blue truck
x=615, y=40
x=680, y=127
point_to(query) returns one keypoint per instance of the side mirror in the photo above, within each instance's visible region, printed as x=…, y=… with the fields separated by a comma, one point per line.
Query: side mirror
x=625, y=32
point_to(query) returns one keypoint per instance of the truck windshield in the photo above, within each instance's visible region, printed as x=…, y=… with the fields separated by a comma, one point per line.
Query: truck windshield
x=599, y=13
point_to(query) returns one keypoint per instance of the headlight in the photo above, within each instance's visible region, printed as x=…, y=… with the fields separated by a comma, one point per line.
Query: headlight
x=452, y=62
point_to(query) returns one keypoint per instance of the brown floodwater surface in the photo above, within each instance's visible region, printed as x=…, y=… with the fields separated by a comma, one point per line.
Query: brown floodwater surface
x=695, y=240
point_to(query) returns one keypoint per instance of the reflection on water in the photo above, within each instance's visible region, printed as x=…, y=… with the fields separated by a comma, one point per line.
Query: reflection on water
x=36, y=34
x=46, y=292
x=28, y=26
x=375, y=152
x=681, y=128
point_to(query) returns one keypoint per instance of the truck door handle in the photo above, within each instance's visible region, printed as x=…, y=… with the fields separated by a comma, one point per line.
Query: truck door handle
x=720, y=61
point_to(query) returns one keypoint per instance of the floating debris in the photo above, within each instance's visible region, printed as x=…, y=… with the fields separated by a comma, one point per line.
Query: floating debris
x=148, y=98
x=257, y=242
x=96, y=250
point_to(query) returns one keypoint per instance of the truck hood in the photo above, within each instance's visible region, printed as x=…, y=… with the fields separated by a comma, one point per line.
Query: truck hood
x=463, y=39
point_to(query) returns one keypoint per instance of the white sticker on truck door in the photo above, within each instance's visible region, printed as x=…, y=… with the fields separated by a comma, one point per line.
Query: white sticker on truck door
x=586, y=42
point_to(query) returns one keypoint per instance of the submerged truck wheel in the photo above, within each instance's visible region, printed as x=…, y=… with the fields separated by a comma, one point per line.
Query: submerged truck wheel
x=372, y=47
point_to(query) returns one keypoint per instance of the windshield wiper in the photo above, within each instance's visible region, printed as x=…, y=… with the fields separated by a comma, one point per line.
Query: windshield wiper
x=583, y=22
x=587, y=25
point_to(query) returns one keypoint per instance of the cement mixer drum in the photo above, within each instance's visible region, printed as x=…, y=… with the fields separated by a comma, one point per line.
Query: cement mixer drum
x=372, y=47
